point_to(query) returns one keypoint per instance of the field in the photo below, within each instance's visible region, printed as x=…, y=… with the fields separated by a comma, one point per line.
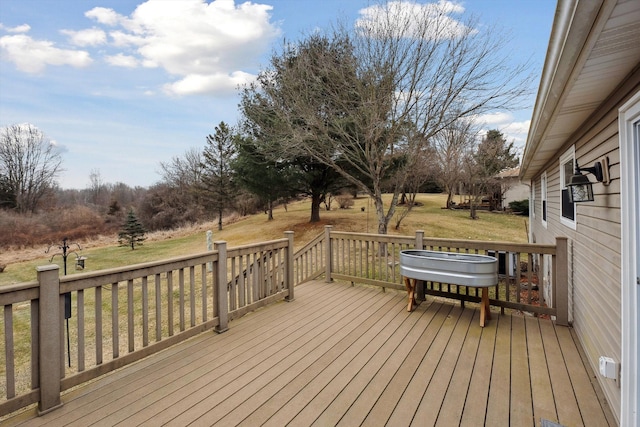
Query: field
x=104, y=252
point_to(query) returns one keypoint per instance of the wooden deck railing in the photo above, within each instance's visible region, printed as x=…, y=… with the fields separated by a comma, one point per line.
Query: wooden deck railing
x=309, y=261
x=122, y=315
x=532, y=277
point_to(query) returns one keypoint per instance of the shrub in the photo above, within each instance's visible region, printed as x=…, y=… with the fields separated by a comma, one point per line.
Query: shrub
x=45, y=228
x=345, y=201
x=520, y=207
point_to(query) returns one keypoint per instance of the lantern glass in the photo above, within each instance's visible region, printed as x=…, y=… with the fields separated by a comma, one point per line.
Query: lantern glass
x=581, y=193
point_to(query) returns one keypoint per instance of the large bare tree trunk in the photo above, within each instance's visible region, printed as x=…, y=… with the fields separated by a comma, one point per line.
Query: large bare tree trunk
x=449, y=198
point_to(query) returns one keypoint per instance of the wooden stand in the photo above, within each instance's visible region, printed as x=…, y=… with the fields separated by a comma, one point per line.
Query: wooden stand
x=410, y=284
x=485, y=311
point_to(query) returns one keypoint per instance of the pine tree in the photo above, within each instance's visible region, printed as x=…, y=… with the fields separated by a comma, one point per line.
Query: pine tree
x=132, y=232
x=217, y=179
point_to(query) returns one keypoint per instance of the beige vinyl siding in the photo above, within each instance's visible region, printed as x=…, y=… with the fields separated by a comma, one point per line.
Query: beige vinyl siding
x=594, y=275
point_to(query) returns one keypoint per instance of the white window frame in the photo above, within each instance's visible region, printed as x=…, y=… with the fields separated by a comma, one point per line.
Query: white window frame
x=532, y=203
x=544, y=216
x=568, y=156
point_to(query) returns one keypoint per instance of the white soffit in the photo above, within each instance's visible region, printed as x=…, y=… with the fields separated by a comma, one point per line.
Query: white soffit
x=594, y=45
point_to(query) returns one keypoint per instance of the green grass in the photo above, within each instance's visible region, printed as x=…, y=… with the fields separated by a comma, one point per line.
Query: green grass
x=430, y=217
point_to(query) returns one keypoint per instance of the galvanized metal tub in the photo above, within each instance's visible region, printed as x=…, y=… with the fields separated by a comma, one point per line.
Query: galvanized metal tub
x=449, y=267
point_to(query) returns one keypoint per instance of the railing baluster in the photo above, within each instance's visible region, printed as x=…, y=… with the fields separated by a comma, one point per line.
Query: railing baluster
x=233, y=290
x=181, y=305
x=81, y=329
x=530, y=279
x=204, y=292
x=130, y=312
x=9, y=345
x=115, y=335
x=192, y=294
x=158, y=308
x=98, y=308
x=145, y=312
x=35, y=339
x=169, y=277
x=242, y=290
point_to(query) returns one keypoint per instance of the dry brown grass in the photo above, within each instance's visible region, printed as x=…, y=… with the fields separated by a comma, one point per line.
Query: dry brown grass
x=103, y=250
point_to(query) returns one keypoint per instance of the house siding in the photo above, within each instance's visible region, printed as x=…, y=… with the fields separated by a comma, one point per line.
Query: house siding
x=515, y=192
x=595, y=244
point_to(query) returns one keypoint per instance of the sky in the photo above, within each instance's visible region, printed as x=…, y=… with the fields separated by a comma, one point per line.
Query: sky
x=120, y=86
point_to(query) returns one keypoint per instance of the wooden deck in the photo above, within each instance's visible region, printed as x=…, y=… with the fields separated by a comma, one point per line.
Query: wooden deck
x=350, y=355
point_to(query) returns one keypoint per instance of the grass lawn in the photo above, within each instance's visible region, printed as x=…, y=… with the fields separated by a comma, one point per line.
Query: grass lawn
x=430, y=217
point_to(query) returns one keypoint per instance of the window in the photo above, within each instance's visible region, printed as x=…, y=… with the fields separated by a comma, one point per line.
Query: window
x=568, y=209
x=543, y=197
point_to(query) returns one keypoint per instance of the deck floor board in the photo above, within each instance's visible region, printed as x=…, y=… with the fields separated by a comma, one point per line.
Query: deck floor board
x=350, y=355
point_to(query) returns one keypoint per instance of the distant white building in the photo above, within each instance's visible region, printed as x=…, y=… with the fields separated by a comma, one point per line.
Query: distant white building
x=511, y=187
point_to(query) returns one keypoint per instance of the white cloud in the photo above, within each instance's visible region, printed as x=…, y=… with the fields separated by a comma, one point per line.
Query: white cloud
x=495, y=118
x=208, y=46
x=373, y=19
x=24, y=28
x=220, y=84
x=103, y=15
x=32, y=56
x=122, y=60
x=122, y=39
x=513, y=129
x=88, y=37
x=516, y=131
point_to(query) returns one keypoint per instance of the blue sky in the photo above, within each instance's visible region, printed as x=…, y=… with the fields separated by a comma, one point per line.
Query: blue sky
x=122, y=85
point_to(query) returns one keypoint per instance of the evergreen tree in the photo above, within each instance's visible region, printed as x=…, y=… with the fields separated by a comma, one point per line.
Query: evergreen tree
x=492, y=155
x=217, y=178
x=132, y=232
x=261, y=175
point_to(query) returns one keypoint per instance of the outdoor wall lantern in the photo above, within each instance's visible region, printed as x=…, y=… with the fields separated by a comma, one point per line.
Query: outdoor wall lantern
x=580, y=188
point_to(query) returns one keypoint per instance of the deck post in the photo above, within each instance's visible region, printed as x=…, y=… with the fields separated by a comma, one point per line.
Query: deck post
x=561, y=284
x=222, y=298
x=50, y=338
x=327, y=253
x=289, y=282
x=419, y=245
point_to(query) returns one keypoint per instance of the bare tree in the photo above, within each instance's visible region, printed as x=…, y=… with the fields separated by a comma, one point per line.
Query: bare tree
x=97, y=189
x=29, y=164
x=423, y=168
x=177, y=199
x=404, y=67
x=184, y=172
x=452, y=145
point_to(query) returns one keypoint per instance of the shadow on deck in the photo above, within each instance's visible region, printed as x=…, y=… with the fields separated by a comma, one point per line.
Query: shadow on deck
x=351, y=355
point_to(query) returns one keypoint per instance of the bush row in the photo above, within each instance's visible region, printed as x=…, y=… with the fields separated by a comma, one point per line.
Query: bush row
x=81, y=222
